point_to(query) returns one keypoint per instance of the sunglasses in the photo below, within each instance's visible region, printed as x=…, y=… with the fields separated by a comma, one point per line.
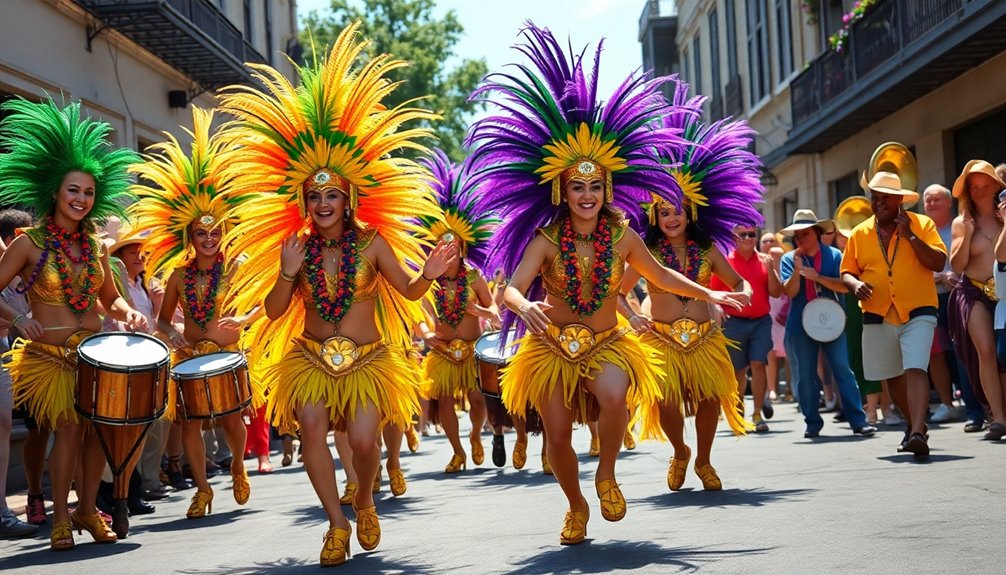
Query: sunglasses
x=742, y=235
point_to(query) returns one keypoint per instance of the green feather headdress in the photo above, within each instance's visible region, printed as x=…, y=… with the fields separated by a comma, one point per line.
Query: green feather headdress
x=46, y=143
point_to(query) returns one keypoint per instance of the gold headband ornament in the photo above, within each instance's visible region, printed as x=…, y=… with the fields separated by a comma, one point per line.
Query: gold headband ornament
x=326, y=178
x=584, y=171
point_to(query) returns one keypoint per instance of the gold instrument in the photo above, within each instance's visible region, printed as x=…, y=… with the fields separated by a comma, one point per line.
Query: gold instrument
x=851, y=212
x=897, y=159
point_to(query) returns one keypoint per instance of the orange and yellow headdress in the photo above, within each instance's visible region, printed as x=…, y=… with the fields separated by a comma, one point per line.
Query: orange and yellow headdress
x=186, y=191
x=329, y=130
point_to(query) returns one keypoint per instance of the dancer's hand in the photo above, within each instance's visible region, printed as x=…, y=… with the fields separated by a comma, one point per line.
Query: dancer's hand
x=29, y=327
x=640, y=324
x=136, y=321
x=735, y=300
x=439, y=260
x=533, y=314
x=291, y=255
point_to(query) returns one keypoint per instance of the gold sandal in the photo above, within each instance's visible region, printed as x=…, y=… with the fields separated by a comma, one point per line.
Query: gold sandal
x=457, y=464
x=61, y=534
x=368, y=528
x=348, y=493
x=478, y=453
x=335, y=546
x=630, y=440
x=242, y=488
x=94, y=525
x=519, y=455
x=612, y=500
x=397, y=480
x=545, y=467
x=412, y=438
x=595, y=447
x=710, y=481
x=202, y=504
x=677, y=470
x=574, y=527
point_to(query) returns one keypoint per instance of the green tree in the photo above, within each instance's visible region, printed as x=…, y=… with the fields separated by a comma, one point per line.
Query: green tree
x=407, y=29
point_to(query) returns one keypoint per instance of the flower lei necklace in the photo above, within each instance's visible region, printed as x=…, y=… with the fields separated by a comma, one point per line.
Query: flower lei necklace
x=454, y=312
x=692, y=263
x=604, y=256
x=331, y=310
x=60, y=242
x=202, y=310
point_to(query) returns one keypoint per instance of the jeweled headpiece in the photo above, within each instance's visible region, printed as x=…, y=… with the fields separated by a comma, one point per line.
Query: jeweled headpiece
x=44, y=143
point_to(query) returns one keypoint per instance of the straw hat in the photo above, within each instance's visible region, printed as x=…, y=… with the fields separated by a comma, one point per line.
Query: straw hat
x=803, y=219
x=123, y=236
x=976, y=167
x=888, y=183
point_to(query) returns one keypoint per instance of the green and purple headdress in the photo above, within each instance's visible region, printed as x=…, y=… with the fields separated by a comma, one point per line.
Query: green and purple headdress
x=455, y=189
x=717, y=174
x=550, y=129
x=45, y=143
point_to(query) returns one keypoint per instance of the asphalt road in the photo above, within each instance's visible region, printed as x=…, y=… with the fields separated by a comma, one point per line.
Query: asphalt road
x=838, y=504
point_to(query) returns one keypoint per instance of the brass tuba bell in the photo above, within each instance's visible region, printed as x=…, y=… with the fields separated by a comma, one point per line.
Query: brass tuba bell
x=888, y=157
x=851, y=212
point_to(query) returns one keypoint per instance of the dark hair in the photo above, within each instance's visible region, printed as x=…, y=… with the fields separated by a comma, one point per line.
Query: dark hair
x=693, y=232
x=11, y=220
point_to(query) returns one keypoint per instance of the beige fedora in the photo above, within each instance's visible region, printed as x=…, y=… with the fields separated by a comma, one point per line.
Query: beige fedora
x=976, y=167
x=124, y=237
x=888, y=183
x=803, y=219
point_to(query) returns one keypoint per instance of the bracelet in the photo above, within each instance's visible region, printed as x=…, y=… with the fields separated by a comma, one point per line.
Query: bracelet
x=285, y=277
x=423, y=274
x=17, y=318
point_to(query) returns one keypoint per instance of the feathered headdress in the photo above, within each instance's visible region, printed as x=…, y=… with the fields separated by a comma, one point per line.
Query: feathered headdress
x=550, y=129
x=331, y=129
x=189, y=190
x=45, y=143
x=454, y=188
x=719, y=177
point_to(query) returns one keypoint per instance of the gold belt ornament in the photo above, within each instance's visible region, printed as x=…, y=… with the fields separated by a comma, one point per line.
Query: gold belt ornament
x=340, y=353
x=71, y=344
x=988, y=288
x=576, y=339
x=204, y=346
x=685, y=332
x=458, y=350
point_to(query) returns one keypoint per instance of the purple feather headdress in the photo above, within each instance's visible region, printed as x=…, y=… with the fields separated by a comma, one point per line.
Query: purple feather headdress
x=550, y=128
x=455, y=188
x=719, y=177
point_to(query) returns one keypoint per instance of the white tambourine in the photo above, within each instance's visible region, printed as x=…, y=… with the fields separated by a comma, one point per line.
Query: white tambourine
x=823, y=319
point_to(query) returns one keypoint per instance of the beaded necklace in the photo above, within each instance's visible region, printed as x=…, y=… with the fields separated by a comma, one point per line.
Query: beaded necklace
x=332, y=310
x=202, y=309
x=452, y=313
x=60, y=243
x=604, y=256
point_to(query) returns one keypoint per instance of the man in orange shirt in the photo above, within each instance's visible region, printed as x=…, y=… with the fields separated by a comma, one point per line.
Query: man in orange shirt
x=889, y=263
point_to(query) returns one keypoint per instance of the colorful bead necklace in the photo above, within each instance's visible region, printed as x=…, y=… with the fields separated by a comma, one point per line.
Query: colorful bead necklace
x=60, y=243
x=692, y=264
x=454, y=312
x=604, y=256
x=202, y=310
x=332, y=310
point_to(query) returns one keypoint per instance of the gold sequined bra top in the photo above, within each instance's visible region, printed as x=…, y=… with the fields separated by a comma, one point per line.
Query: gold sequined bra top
x=367, y=285
x=705, y=270
x=555, y=279
x=47, y=288
x=223, y=287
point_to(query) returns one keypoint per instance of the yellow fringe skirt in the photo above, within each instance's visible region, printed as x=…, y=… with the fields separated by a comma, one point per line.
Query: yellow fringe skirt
x=379, y=374
x=698, y=367
x=204, y=347
x=553, y=359
x=449, y=376
x=43, y=381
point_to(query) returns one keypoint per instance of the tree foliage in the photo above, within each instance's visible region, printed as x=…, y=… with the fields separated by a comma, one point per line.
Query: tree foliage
x=407, y=29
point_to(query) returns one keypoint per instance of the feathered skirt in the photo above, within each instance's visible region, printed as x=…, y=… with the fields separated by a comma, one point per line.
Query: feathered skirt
x=43, y=381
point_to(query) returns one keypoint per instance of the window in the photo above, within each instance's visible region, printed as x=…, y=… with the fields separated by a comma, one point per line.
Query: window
x=697, y=53
x=687, y=67
x=842, y=188
x=784, y=42
x=249, y=18
x=268, y=31
x=731, y=40
x=758, y=59
x=714, y=53
x=785, y=208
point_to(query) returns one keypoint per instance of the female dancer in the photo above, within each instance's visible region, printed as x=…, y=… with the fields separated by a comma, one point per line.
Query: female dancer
x=326, y=235
x=64, y=166
x=185, y=215
x=553, y=158
x=460, y=300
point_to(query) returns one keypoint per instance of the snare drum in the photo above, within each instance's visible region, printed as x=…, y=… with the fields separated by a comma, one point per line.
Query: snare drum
x=491, y=356
x=121, y=378
x=212, y=385
x=823, y=319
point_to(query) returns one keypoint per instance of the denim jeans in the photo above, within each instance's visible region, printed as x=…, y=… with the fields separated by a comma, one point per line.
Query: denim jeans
x=837, y=353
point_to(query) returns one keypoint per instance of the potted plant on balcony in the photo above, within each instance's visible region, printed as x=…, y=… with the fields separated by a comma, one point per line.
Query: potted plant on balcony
x=839, y=39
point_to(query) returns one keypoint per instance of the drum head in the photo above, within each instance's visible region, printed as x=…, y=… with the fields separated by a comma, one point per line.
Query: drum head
x=209, y=364
x=823, y=319
x=123, y=352
x=487, y=347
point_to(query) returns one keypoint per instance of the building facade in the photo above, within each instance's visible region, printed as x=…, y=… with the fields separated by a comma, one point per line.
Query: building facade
x=824, y=83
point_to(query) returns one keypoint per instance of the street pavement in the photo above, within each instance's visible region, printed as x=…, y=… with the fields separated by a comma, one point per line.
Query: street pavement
x=837, y=504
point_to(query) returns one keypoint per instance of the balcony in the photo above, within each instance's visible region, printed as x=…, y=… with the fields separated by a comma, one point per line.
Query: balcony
x=193, y=36
x=898, y=52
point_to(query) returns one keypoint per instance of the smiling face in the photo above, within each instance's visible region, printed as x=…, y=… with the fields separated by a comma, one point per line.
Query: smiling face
x=132, y=258
x=937, y=203
x=75, y=197
x=807, y=240
x=982, y=188
x=326, y=206
x=768, y=241
x=746, y=238
x=885, y=206
x=584, y=198
x=672, y=222
x=206, y=242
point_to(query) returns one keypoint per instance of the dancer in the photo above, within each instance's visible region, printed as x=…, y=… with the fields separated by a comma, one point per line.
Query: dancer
x=64, y=166
x=460, y=300
x=559, y=168
x=184, y=217
x=326, y=236
x=719, y=178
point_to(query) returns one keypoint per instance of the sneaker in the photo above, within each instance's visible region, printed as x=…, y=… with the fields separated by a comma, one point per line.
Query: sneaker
x=36, y=509
x=865, y=431
x=892, y=419
x=11, y=527
x=944, y=414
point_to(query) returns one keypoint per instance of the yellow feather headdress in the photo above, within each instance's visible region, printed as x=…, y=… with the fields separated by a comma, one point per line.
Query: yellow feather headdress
x=330, y=130
x=185, y=190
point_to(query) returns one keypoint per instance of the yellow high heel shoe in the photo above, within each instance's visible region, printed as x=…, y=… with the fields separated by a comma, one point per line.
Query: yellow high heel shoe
x=574, y=527
x=457, y=464
x=94, y=525
x=595, y=447
x=676, y=471
x=397, y=480
x=377, y=480
x=478, y=454
x=545, y=467
x=710, y=481
x=630, y=440
x=60, y=536
x=241, y=486
x=368, y=528
x=202, y=504
x=612, y=500
x=519, y=455
x=348, y=493
x=412, y=438
x=335, y=546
